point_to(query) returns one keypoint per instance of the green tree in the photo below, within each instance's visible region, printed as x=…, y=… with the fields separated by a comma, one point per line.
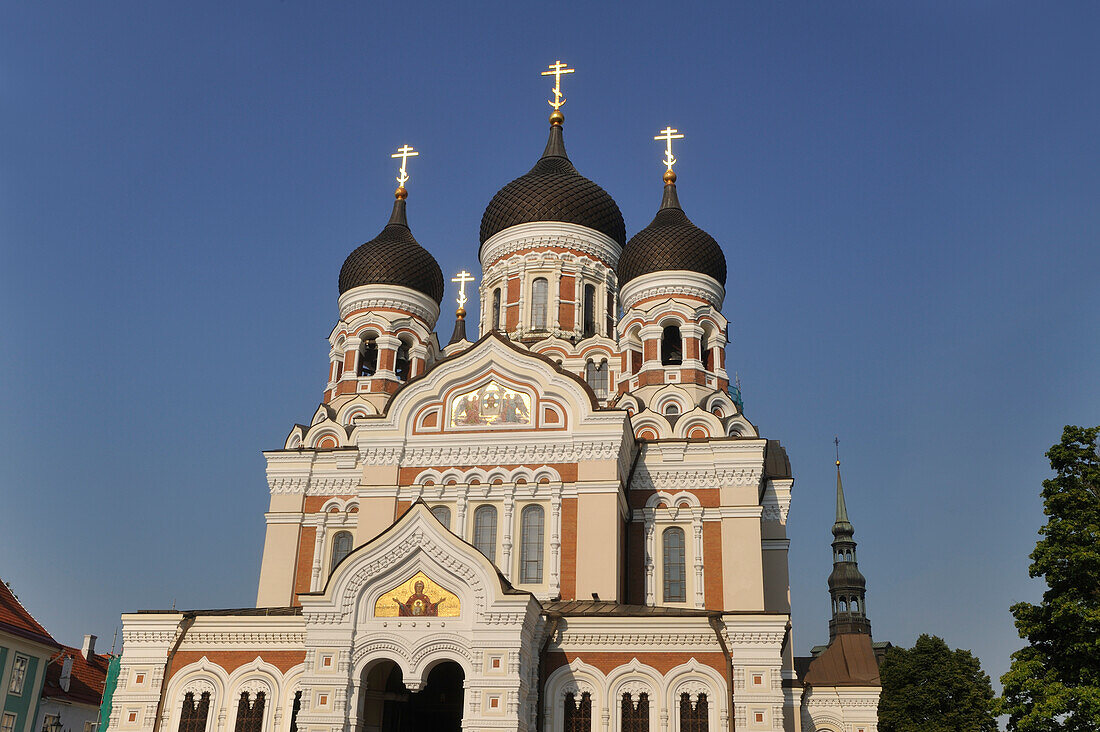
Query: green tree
x=1054, y=681
x=931, y=688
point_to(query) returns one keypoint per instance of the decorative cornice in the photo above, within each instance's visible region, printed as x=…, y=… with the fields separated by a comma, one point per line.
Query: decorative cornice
x=520, y=452
x=670, y=480
x=671, y=284
x=371, y=297
x=540, y=234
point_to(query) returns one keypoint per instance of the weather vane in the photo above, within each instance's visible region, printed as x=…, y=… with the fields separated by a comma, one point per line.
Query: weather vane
x=668, y=135
x=462, y=278
x=556, y=70
x=404, y=152
x=836, y=441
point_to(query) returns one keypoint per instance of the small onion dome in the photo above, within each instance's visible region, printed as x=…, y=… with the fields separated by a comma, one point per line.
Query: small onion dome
x=672, y=242
x=393, y=258
x=553, y=190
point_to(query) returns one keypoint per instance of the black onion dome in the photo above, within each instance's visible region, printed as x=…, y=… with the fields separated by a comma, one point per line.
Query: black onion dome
x=553, y=190
x=393, y=258
x=671, y=242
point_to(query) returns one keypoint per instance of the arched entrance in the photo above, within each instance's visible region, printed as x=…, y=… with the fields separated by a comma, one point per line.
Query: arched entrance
x=387, y=705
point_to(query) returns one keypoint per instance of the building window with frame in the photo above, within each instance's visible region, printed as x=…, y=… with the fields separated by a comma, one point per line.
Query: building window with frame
x=341, y=547
x=532, y=524
x=693, y=717
x=589, y=320
x=90, y=726
x=672, y=346
x=485, y=531
x=294, y=711
x=597, y=376
x=578, y=713
x=368, y=357
x=250, y=715
x=402, y=364
x=443, y=515
x=8, y=722
x=674, y=564
x=193, y=715
x=704, y=349
x=18, y=674
x=635, y=714
x=495, y=310
x=611, y=314
x=540, y=289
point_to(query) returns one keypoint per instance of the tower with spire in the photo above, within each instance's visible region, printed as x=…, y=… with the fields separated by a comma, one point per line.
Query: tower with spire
x=847, y=586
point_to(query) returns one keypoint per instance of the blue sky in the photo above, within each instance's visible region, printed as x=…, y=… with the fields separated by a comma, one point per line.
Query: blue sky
x=905, y=192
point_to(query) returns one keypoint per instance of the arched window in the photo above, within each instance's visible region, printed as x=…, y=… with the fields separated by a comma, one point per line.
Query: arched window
x=675, y=564
x=496, y=309
x=597, y=376
x=193, y=715
x=610, y=314
x=589, y=310
x=402, y=364
x=341, y=547
x=843, y=605
x=250, y=716
x=443, y=514
x=531, y=542
x=693, y=717
x=672, y=409
x=485, y=531
x=294, y=711
x=635, y=713
x=704, y=347
x=578, y=713
x=672, y=350
x=539, y=290
x=368, y=357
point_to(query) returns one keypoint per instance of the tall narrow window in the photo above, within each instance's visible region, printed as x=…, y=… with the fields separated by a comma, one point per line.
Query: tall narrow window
x=485, y=531
x=443, y=514
x=193, y=715
x=672, y=350
x=496, y=309
x=539, y=290
x=675, y=569
x=294, y=711
x=602, y=379
x=589, y=310
x=18, y=674
x=590, y=373
x=368, y=357
x=693, y=717
x=402, y=364
x=635, y=713
x=250, y=716
x=531, y=542
x=704, y=347
x=578, y=713
x=610, y=314
x=341, y=547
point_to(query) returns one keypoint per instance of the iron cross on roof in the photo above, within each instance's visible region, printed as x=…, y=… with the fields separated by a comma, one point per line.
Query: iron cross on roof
x=462, y=278
x=556, y=70
x=668, y=135
x=404, y=152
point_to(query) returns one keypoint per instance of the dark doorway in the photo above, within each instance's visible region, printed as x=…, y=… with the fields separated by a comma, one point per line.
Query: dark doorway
x=388, y=706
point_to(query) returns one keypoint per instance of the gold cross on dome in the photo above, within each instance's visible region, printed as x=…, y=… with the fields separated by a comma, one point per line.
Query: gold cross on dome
x=462, y=278
x=404, y=152
x=556, y=70
x=668, y=135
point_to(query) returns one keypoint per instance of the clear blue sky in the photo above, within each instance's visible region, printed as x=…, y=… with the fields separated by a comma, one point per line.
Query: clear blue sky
x=906, y=194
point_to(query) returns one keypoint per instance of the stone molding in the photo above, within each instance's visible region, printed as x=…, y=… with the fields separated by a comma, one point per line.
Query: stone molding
x=671, y=284
x=372, y=297
x=541, y=234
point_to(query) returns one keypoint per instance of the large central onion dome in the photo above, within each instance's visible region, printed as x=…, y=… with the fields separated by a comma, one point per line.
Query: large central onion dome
x=671, y=242
x=553, y=190
x=393, y=258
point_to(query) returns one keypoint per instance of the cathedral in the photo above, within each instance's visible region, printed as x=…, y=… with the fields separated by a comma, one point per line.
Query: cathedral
x=562, y=522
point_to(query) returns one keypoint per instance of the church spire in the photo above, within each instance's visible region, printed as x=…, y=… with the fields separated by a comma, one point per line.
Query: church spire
x=847, y=586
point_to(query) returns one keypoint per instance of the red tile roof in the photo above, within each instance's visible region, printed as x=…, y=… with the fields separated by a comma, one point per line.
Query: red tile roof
x=15, y=619
x=848, y=661
x=85, y=680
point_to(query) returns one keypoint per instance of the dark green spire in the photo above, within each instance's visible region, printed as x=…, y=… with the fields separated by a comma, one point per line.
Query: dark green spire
x=847, y=586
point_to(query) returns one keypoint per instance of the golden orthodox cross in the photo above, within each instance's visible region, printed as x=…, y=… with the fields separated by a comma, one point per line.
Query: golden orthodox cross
x=556, y=70
x=668, y=135
x=462, y=278
x=404, y=152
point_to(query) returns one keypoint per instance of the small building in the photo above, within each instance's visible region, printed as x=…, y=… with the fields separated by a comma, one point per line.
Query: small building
x=74, y=688
x=25, y=651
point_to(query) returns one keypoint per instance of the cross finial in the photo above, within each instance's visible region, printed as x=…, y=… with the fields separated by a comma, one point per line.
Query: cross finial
x=462, y=278
x=556, y=70
x=668, y=135
x=404, y=152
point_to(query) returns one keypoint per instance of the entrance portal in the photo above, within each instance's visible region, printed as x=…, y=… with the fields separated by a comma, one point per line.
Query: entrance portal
x=388, y=706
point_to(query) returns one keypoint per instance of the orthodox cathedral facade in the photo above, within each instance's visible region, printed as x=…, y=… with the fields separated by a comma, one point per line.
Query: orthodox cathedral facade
x=563, y=524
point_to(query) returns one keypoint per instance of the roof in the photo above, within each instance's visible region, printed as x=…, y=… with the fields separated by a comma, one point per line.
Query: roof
x=85, y=680
x=848, y=661
x=671, y=242
x=553, y=190
x=17, y=620
x=393, y=257
x=271, y=611
x=603, y=608
x=776, y=462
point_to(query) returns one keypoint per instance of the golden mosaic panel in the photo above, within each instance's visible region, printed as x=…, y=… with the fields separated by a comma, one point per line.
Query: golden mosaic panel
x=492, y=404
x=416, y=597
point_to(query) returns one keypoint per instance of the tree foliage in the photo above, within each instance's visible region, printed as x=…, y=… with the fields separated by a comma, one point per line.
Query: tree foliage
x=1053, y=684
x=931, y=688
